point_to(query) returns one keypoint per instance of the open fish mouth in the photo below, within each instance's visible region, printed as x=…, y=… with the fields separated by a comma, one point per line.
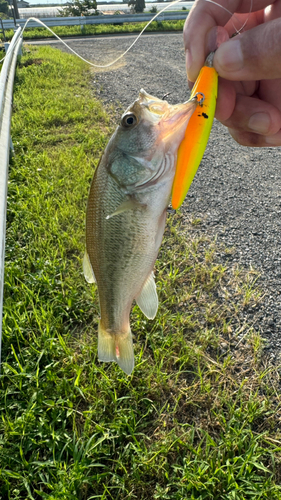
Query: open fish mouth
x=171, y=119
x=174, y=122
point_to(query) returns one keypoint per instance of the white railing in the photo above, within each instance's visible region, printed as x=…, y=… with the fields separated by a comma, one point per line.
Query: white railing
x=6, y=93
x=100, y=19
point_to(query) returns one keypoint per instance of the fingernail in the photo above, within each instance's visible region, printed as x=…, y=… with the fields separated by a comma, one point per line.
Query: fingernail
x=215, y=37
x=188, y=61
x=259, y=123
x=229, y=56
x=211, y=40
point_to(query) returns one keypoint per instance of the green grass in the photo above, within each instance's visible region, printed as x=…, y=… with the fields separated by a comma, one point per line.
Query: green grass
x=98, y=29
x=199, y=418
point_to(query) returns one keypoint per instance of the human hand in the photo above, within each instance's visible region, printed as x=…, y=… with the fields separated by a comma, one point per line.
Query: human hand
x=249, y=65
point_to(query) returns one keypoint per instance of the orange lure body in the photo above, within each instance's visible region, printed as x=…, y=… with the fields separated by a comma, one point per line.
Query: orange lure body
x=192, y=147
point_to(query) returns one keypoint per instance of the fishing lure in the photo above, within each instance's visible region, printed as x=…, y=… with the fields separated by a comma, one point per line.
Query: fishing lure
x=197, y=133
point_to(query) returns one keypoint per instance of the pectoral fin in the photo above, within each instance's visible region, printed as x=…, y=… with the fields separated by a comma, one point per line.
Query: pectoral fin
x=147, y=300
x=130, y=204
x=87, y=269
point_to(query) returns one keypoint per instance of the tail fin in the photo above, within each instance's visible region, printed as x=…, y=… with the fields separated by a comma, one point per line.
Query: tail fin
x=116, y=347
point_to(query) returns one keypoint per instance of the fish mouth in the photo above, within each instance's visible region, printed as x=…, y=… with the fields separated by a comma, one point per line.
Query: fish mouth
x=174, y=122
x=170, y=120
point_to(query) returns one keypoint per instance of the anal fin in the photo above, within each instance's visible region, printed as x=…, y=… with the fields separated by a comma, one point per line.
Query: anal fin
x=147, y=300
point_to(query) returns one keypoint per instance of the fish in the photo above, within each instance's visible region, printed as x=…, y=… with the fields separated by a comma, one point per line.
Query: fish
x=126, y=215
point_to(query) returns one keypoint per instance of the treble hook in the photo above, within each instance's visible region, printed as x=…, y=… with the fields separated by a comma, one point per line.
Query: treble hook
x=166, y=95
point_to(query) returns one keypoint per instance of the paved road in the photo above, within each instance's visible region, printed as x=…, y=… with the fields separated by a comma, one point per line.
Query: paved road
x=236, y=191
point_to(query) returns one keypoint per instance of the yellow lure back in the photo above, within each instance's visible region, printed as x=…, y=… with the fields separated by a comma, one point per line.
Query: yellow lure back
x=197, y=133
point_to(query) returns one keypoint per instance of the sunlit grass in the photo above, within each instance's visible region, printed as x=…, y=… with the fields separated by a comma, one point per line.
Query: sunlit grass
x=98, y=29
x=199, y=417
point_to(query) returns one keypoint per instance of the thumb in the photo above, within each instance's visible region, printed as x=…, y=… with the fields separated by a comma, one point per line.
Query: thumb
x=253, y=55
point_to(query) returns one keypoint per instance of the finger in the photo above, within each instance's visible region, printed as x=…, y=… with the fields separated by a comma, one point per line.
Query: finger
x=213, y=39
x=227, y=93
x=270, y=91
x=251, y=115
x=255, y=140
x=253, y=55
x=226, y=100
x=202, y=18
x=244, y=22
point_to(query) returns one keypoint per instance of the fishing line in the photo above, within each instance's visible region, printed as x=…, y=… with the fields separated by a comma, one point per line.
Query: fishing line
x=233, y=15
x=85, y=60
x=224, y=8
x=136, y=39
x=243, y=25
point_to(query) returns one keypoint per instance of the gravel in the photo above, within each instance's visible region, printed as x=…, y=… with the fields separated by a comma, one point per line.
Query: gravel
x=236, y=191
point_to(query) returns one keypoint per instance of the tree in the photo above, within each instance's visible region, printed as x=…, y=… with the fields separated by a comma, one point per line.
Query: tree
x=79, y=8
x=4, y=7
x=138, y=5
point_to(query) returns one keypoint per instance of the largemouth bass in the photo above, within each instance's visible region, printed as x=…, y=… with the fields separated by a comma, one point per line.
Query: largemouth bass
x=126, y=215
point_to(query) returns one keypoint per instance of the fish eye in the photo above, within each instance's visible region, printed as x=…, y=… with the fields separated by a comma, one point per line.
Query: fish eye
x=129, y=120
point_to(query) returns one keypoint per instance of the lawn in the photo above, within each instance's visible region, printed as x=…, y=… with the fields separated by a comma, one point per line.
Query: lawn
x=199, y=418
